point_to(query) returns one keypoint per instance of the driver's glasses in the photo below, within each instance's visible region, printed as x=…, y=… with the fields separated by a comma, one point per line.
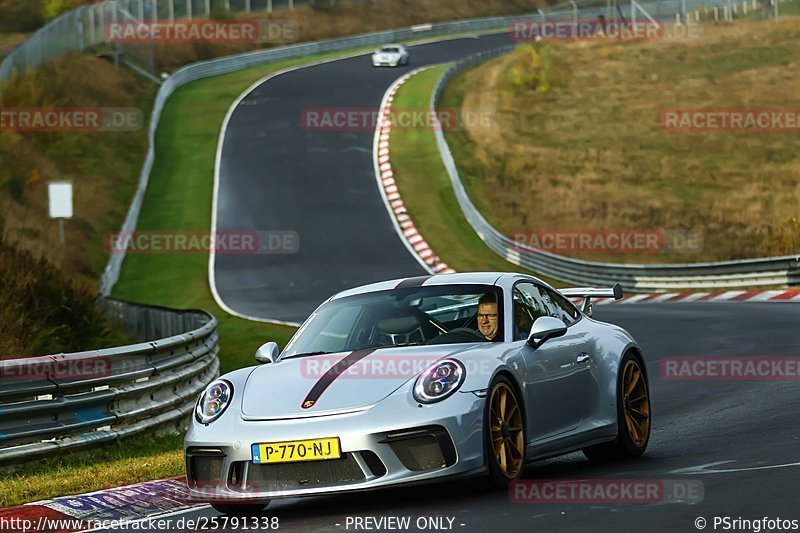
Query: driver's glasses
x=487, y=316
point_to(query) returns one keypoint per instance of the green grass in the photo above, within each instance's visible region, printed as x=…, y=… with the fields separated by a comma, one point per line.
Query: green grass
x=426, y=190
x=122, y=463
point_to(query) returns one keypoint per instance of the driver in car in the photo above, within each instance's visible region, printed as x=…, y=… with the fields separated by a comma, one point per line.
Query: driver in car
x=488, y=316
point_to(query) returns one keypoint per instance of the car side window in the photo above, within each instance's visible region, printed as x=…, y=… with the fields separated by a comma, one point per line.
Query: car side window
x=559, y=307
x=528, y=306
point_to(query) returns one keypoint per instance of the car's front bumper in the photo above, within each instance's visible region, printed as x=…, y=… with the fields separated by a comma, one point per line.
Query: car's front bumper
x=394, y=442
x=392, y=63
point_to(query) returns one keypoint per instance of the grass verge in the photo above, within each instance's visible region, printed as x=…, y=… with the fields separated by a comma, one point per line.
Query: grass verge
x=122, y=463
x=578, y=143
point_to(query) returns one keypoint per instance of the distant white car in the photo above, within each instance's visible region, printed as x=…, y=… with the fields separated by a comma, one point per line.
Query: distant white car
x=390, y=55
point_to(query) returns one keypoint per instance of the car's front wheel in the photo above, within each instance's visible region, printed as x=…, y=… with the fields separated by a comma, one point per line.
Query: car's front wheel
x=239, y=509
x=633, y=414
x=504, y=427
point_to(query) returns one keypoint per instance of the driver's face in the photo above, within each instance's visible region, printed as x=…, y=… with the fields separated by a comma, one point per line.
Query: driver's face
x=487, y=320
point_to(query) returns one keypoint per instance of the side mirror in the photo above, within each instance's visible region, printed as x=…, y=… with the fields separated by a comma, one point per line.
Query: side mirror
x=545, y=328
x=268, y=353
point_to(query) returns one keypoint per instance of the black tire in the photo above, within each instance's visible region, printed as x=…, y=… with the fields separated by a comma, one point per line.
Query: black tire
x=627, y=445
x=239, y=509
x=499, y=477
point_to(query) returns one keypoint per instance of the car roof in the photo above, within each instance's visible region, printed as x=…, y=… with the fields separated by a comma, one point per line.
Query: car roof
x=460, y=278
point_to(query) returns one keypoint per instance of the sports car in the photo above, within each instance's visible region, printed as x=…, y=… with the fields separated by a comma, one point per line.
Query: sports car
x=420, y=380
x=390, y=55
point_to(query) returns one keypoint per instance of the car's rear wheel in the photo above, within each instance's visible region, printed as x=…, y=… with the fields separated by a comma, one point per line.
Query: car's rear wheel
x=633, y=414
x=239, y=509
x=504, y=427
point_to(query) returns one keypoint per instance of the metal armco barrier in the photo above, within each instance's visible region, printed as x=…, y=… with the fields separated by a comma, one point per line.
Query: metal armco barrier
x=64, y=402
x=764, y=272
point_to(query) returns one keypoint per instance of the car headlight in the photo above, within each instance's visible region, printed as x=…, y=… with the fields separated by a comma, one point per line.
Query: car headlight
x=439, y=381
x=213, y=402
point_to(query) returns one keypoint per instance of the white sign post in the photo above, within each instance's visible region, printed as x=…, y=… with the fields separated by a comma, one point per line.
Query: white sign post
x=59, y=194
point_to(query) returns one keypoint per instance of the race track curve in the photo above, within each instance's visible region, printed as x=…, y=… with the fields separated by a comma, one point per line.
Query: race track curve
x=275, y=174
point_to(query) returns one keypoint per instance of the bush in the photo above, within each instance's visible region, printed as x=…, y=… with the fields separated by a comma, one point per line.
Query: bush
x=20, y=16
x=532, y=68
x=16, y=186
x=41, y=312
x=221, y=12
x=782, y=239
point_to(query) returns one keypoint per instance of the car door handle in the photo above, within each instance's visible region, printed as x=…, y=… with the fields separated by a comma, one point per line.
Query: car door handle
x=582, y=358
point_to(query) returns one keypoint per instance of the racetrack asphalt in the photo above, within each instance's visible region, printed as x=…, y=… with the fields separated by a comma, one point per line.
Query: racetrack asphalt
x=748, y=424
x=278, y=174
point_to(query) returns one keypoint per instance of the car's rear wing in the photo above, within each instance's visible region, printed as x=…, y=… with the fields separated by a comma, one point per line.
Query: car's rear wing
x=587, y=293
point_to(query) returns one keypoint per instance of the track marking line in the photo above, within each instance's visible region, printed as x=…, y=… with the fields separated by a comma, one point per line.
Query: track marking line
x=704, y=469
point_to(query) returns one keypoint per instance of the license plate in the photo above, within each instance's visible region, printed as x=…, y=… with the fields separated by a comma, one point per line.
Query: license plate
x=296, y=451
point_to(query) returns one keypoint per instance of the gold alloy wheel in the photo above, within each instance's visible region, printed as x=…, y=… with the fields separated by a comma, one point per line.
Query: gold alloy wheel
x=635, y=403
x=506, y=429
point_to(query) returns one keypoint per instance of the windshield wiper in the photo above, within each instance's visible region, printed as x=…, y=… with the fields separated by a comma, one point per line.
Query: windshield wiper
x=306, y=354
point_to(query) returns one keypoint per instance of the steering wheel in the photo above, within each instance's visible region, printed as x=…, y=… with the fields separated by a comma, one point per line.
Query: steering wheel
x=468, y=331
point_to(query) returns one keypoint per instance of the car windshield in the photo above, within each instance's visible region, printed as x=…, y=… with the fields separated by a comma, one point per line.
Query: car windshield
x=390, y=50
x=402, y=317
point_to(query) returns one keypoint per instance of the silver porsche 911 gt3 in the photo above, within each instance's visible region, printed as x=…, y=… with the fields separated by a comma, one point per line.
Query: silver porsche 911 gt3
x=418, y=380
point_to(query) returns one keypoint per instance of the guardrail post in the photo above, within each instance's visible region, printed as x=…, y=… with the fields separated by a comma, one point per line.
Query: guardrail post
x=574, y=18
x=92, y=27
x=102, y=22
x=81, y=43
